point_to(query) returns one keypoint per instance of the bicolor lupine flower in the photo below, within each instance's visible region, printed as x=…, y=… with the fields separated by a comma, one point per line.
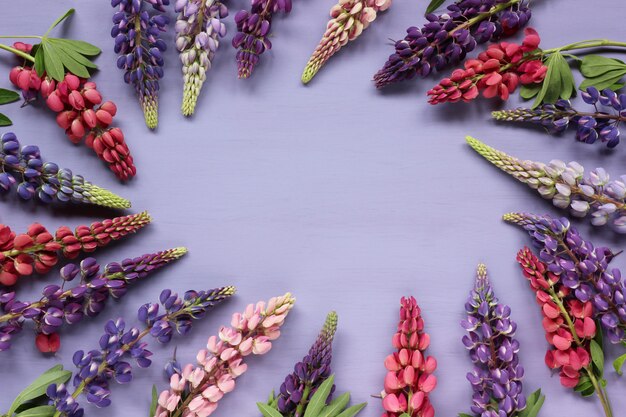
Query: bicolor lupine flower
x=410, y=377
x=80, y=112
x=88, y=298
x=137, y=32
x=119, y=344
x=446, y=39
x=602, y=123
x=495, y=72
x=567, y=185
x=45, y=180
x=497, y=374
x=349, y=18
x=307, y=376
x=582, y=267
x=197, y=390
x=37, y=250
x=253, y=32
x=198, y=31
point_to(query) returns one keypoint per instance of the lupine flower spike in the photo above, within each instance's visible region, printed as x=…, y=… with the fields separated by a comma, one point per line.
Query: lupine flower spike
x=410, y=377
x=119, y=345
x=609, y=110
x=88, y=298
x=497, y=375
x=137, y=42
x=349, y=18
x=198, y=31
x=197, y=389
x=308, y=375
x=445, y=39
x=567, y=185
x=253, y=32
x=45, y=180
x=37, y=250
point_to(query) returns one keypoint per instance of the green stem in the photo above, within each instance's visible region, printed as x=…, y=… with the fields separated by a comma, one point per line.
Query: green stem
x=592, y=43
x=20, y=37
x=17, y=52
x=303, y=401
x=602, y=395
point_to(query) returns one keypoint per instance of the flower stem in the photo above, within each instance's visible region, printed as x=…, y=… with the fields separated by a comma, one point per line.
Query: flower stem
x=17, y=52
x=592, y=43
x=602, y=395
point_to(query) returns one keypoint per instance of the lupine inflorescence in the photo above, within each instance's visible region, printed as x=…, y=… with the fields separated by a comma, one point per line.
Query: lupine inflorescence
x=253, y=32
x=137, y=30
x=38, y=250
x=59, y=305
x=446, y=39
x=495, y=72
x=196, y=390
x=80, y=112
x=45, y=180
x=410, y=377
x=199, y=28
x=497, y=375
x=567, y=185
x=349, y=18
x=600, y=124
x=119, y=344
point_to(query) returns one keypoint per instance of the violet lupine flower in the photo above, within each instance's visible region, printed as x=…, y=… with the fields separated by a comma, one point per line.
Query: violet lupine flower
x=445, y=39
x=497, y=375
x=349, y=18
x=581, y=267
x=58, y=306
x=567, y=185
x=198, y=31
x=118, y=345
x=45, y=180
x=602, y=124
x=137, y=41
x=307, y=376
x=252, y=38
x=196, y=391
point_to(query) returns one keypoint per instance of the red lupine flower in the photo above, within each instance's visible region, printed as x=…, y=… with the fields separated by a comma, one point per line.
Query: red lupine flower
x=48, y=343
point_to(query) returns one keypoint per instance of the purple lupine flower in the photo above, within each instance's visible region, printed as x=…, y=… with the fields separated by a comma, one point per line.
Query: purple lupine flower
x=45, y=180
x=137, y=34
x=581, y=266
x=63, y=401
x=119, y=345
x=445, y=39
x=497, y=375
x=59, y=305
x=602, y=123
x=252, y=38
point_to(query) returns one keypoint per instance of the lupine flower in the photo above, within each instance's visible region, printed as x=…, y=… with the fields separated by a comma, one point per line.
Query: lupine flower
x=139, y=46
x=198, y=31
x=495, y=72
x=307, y=376
x=410, y=377
x=118, y=345
x=581, y=267
x=88, y=298
x=349, y=18
x=253, y=32
x=602, y=123
x=497, y=375
x=81, y=113
x=567, y=185
x=38, y=250
x=196, y=391
x=45, y=180
x=446, y=39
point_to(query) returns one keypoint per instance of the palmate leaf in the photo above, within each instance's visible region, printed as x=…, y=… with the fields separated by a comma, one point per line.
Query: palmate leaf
x=558, y=83
x=434, y=5
x=533, y=404
x=39, y=411
x=54, y=375
x=602, y=72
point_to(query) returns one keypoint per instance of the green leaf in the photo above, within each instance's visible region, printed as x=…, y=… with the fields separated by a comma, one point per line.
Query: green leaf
x=603, y=81
x=595, y=65
x=352, y=411
x=40, y=65
x=39, y=411
x=568, y=86
x=71, y=64
x=318, y=401
x=533, y=405
x=434, y=5
x=72, y=52
x=529, y=91
x=82, y=47
x=8, y=96
x=53, y=64
x=597, y=357
x=465, y=415
x=619, y=363
x=336, y=406
x=5, y=121
x=154, y=402
x=59, y=20
x=551, y=83
x=55, y=375
x=268, y=411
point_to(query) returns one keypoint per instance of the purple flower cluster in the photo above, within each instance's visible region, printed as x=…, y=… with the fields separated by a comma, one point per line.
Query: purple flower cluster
x=63, y=401
x=252, y=38
x=137, y=41
x=118, y=345
x=602, y=123
x=497, y=374
x=58, y=305
x=581, y=267
x=446, y=39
